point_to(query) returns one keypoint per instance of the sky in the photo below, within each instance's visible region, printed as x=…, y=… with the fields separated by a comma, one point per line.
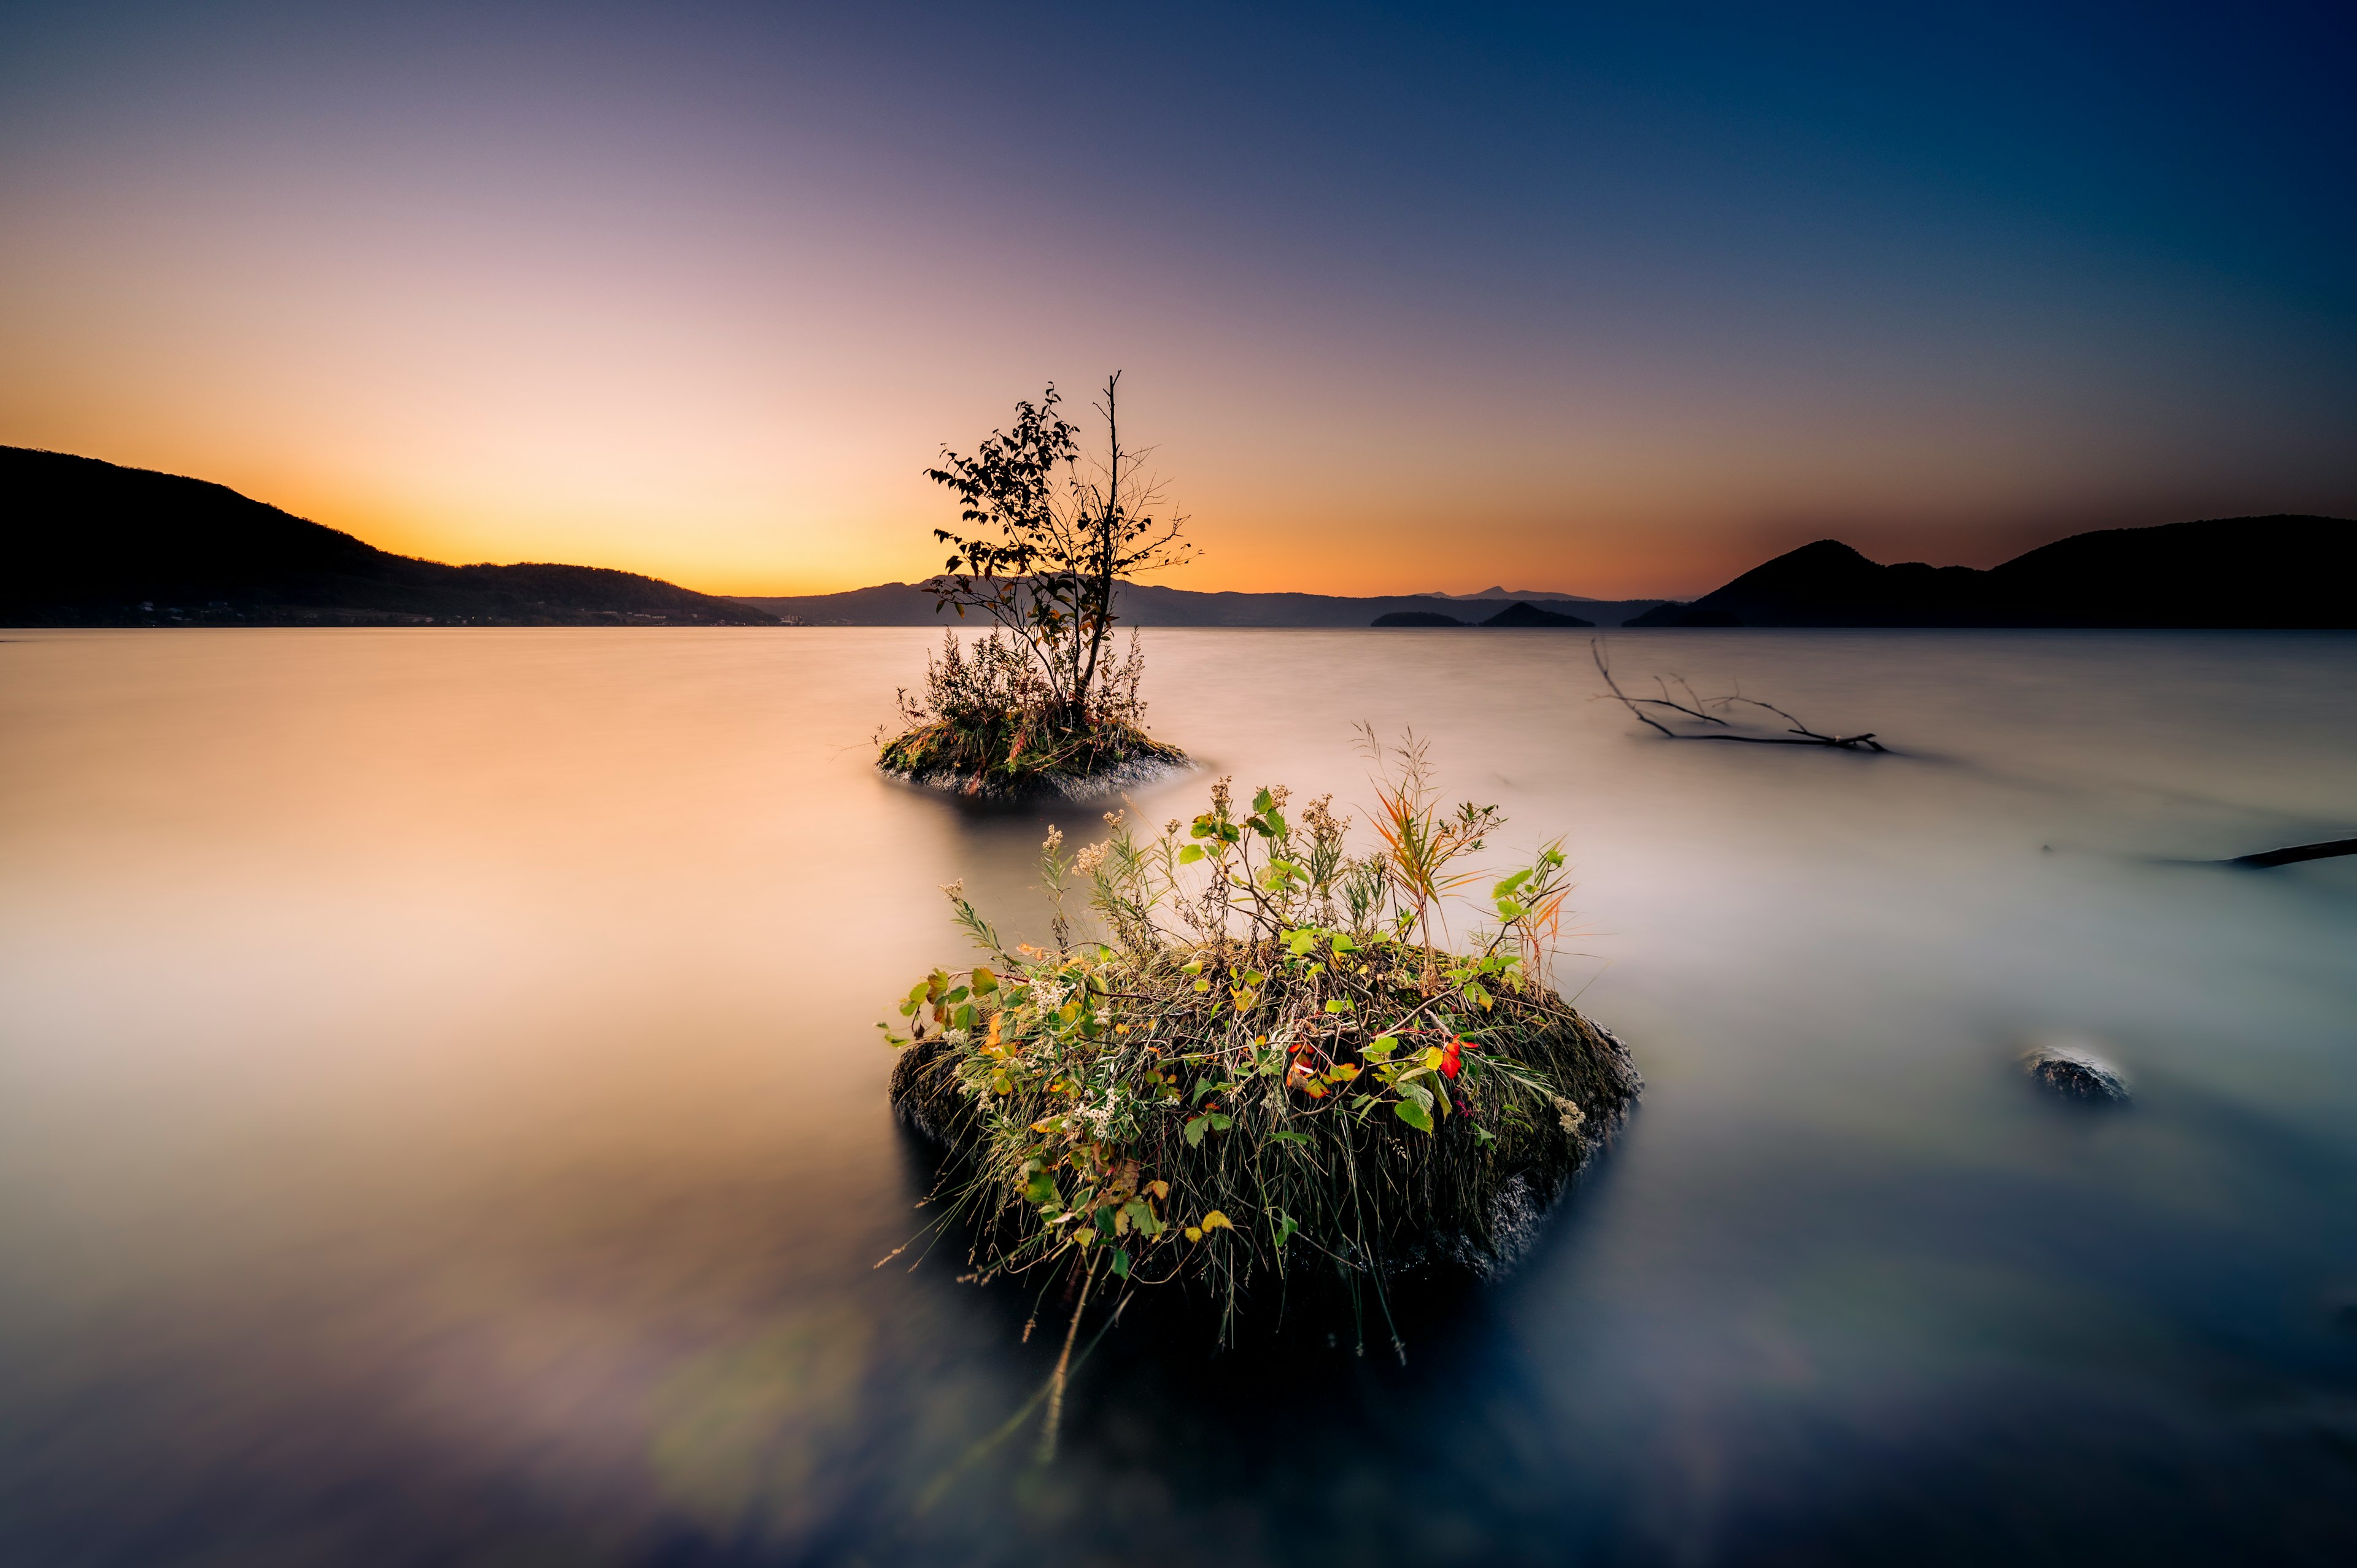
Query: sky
x=1611, y=300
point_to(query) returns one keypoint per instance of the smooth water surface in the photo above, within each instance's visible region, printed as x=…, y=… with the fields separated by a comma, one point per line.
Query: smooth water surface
x=442, y=1118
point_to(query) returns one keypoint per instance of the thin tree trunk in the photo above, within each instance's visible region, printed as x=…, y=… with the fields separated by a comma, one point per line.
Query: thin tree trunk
x=1106, y=522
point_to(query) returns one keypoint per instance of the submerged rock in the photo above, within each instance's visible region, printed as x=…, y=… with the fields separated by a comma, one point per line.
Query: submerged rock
x=1103, y=784
x=2070, y=1070
x=1518, y=1214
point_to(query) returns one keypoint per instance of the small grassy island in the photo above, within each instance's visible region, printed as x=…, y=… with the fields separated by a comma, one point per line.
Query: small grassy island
x=991, y=726
x=1043, y=704
x=1275, y=1067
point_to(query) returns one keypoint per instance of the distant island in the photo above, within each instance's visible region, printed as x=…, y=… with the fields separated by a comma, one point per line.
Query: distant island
x=1518, y=614
x=2280, y=571
x=89, y=543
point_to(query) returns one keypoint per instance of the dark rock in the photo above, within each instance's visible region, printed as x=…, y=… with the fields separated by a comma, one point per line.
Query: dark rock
x=2071, y=1071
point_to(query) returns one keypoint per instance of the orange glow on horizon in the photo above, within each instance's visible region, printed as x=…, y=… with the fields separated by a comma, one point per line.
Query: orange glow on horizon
x=470, y=343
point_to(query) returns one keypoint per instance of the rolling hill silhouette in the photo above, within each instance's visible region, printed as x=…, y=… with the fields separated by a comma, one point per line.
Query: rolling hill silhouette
x=2281, y=571
x=1158, y=604
x=88, y=543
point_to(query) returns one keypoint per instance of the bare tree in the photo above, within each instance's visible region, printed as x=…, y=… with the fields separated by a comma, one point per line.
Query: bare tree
x=1698, y=708
x=1052, y=541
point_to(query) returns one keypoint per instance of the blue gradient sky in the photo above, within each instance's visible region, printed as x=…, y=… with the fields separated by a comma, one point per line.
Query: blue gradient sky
x=1611, y=301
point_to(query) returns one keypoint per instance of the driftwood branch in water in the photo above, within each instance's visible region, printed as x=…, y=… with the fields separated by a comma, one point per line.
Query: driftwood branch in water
x=2297, y=853
x=1697, y=708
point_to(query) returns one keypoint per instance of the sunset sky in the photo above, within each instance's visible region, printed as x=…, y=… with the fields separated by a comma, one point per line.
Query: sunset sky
x=1613, y=300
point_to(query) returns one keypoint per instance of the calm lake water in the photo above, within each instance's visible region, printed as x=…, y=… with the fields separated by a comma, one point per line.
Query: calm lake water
x=442, y=1120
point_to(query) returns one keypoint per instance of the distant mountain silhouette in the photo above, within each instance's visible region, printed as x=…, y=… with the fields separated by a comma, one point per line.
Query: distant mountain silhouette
x=1531, y=615
x=1511, y=594
x=1157, y=604
x=1415, y=618
x=2280, y=571
x=89, y=543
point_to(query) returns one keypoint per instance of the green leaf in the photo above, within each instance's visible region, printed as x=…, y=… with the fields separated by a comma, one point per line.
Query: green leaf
x=985, y=983
x=1302, y=941
x=1285, y=1229
x=1340, y=1004
x=1263, y=801
x=1193, y=1131
x=1380, y=1050
x=1190, y=854
x=1288, y=1137
x=1120, y=1263
x=1415, y=1115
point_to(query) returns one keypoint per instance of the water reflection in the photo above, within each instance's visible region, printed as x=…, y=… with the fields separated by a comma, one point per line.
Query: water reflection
x=440, y=1116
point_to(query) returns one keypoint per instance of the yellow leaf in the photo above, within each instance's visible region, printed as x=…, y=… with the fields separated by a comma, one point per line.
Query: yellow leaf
x=1215, y=1221
x=1159, y=1188
x=1432, y=1057
x=1194, y=1232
